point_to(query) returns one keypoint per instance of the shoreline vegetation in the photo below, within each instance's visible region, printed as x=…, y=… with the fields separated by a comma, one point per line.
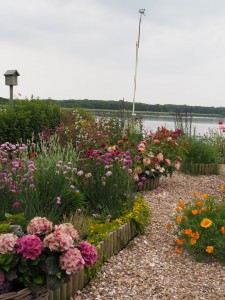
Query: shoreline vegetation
x=113, y=106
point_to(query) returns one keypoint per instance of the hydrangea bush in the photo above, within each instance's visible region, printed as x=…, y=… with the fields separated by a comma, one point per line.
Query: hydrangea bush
x=46, y=254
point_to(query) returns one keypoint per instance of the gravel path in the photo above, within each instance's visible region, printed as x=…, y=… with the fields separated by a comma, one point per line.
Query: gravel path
x=148, y=268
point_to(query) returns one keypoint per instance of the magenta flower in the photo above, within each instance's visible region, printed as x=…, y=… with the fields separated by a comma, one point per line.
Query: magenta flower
x=88, y=252
x=16, y=204
x=30, y=246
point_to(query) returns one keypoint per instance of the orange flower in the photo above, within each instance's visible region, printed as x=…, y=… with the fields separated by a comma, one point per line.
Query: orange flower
x=196, y=194
x=179, y=242
x=181, y=204
x=178, y=219
x=188, y=231
x=222, y=187
x=186, y=218
x=199, y=203
x=209, y=249
x=178, y=250
x=222, y=229
x=204, y=196
x=193, y=241
x=177, y=209
x=206, y=223
x=195, y=235
x=194, y=212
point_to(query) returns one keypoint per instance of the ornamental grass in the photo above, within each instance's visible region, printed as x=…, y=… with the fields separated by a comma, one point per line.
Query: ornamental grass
x=199, y=227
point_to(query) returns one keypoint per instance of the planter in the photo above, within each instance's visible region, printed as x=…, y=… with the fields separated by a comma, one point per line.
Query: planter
x=26, y=294
x=200, y=169
x=150, y=184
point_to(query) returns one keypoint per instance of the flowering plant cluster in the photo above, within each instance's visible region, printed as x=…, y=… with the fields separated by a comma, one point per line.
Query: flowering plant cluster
x=160, y=153
x=200, y=227
x=46, y=254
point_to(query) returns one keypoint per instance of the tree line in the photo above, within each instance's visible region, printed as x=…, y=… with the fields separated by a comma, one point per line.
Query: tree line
x=125, y=105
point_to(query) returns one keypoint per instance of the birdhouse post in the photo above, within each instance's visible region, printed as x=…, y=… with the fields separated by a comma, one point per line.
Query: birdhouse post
x=11, y=80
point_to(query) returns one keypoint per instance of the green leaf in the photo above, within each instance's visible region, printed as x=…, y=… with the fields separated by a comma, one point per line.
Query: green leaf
x=38, y=280
x=4, y=228
x=6, y=259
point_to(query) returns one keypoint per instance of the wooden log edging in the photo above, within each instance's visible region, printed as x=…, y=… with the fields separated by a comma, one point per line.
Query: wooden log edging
x=200, y=169
x=115, y=242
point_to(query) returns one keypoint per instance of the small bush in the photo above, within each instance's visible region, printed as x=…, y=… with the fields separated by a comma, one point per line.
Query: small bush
x=200, y=228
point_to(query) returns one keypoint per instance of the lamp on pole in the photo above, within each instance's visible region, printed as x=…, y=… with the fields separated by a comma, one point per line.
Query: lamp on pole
x=142, y=13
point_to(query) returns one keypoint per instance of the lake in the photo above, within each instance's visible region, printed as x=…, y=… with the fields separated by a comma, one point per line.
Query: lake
x=201, y=125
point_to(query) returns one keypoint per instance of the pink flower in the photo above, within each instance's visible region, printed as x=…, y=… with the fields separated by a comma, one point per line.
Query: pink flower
x=88, y=252
x=160, y=157
x=71, y=261
x=58, y=200
x=167, y=161
x=58, y=241
x=109, y=173
x=39, y=226
x=177, y=165
x=30, y=246
x=68, y=229
x=8, y=242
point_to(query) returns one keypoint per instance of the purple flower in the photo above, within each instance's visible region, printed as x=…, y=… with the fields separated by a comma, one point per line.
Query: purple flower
x=109, y=173
x=140, y=184
x=80, y=173
x=143, y=178
x=137, y=157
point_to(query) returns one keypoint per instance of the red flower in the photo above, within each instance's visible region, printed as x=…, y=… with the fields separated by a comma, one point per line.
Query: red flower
x=220, y=123
x=103, y=145
x=125, y=138
x=32, y=154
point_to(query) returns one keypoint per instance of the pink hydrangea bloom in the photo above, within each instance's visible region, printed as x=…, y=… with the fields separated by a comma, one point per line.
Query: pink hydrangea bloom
x=59, y=241
x=8, y=242
x=71, y=261
x=88, y=252
x=68, y=229
x=39, y=226
x=30, y=246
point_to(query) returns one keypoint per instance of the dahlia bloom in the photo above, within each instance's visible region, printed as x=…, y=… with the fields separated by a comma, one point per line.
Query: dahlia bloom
x=8, y=242
x=88, y=253
x=71, y=261
x=58, y=241
x=30, y=246
x=68, y=229
x=39, y=226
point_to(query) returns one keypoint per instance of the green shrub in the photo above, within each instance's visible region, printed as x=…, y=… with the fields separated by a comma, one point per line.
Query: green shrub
x=200, y=228
x=27, y=119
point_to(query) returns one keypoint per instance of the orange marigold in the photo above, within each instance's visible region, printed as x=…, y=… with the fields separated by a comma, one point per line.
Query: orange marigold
x=177, y=209
x=209, y=249
x=195, y=235
x=178, y=219
x=204, y=196
x=222, y=187
x=193, y=241
x=188, y=231
x=196, y=194
x=194, y=212
x=199, y=203
x=186, y=218
x=181, y=204
x=178, y=250
x=222, y=229
x=179, y=242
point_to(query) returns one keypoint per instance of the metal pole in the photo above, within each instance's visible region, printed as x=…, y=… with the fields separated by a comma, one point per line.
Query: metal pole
x=141, y=12
x=11, y=94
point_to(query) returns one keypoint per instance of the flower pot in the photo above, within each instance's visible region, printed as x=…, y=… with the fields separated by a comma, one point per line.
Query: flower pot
x=150, y=184
x=200, y=169
x=27, y=294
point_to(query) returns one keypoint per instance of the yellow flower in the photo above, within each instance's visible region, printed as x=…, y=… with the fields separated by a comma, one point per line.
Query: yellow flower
x=206, y=223
x=209, y=249
x=204, y=196
x=193, y=241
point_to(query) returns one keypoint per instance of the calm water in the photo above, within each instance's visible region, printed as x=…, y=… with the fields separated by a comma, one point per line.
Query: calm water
x=201, y=125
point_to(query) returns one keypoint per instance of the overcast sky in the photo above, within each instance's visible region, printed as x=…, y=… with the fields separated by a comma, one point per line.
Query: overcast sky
x=85, y=49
